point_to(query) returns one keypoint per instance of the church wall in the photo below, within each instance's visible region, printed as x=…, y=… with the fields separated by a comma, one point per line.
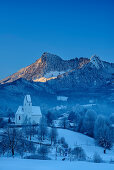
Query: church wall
x=35, y=119
x=19, y=119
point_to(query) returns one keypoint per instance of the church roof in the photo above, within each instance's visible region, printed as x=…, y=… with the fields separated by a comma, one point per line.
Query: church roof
x=20, y=110
x=36, y=111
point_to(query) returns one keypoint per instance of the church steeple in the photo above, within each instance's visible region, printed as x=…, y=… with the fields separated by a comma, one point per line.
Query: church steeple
x=27, y=106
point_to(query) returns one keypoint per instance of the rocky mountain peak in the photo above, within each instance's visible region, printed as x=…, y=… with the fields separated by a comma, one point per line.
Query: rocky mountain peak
x=51, y=66
x=48, y=57
x=96, y=61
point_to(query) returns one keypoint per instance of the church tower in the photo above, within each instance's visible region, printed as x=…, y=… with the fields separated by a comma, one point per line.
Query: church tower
x=27, y=106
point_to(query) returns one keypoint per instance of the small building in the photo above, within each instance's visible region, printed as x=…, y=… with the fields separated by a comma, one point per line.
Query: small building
x=28, y=114
x=62, y=98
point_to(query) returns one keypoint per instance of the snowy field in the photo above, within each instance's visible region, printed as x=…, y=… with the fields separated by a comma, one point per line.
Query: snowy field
x=73, y=139
x=23, y=164
x=87, y=143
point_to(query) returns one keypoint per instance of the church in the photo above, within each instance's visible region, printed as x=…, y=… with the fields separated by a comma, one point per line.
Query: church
x=28, y=114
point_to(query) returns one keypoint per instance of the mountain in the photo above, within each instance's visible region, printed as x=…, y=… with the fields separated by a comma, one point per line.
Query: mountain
x=48, y=66
x=82, y=72
x=92, y=74
x=82, y=80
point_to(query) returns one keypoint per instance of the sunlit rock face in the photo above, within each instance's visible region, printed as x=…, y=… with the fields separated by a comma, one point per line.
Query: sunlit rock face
x=60, y=74
x=48, y=67
x=51, y=76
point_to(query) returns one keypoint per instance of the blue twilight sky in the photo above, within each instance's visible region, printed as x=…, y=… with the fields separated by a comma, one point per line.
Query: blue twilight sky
x=68, y=28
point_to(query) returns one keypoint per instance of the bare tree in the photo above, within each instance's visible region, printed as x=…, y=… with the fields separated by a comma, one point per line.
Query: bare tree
x=14, y=141
x=53, y=135
x=64, y=122
x=10, y=140
x=43, y=131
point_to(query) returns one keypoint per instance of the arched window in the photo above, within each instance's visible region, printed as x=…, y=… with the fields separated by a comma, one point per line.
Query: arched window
x=19, y=118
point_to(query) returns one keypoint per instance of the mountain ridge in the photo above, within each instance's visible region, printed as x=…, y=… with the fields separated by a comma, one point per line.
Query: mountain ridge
x=48, y=62
x=57, y=73
x=79, y=79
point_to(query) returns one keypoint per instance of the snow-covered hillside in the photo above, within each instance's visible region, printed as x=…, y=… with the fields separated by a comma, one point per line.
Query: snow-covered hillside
x=87, y=143
x=74, y=139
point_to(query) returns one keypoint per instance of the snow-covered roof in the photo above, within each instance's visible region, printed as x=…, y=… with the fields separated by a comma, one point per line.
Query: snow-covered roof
x=88, y=105
x=72, y=124
x=20, y=110
x=62, y=98
x=36, y=111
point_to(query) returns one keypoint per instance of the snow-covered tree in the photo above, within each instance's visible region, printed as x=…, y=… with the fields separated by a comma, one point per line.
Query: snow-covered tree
x=89, y=121
x=43, y=151
x=79, y=116
x=78, y=109
x=71, y=116
x=97, y=158
x=43, y=130
x=102, y=132
x=78, y=154
x=50, y=117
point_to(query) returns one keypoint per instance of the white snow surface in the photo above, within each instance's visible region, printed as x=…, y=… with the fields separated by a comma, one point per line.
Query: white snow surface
x=53, y=74
x=73, y=139
x=49, y=76
x=87, y=143
x=88, y=105
x=24, y=164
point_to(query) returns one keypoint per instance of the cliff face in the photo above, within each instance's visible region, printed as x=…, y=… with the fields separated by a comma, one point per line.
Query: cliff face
x=80, y=79
x=48, y=63
x=59, y=74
